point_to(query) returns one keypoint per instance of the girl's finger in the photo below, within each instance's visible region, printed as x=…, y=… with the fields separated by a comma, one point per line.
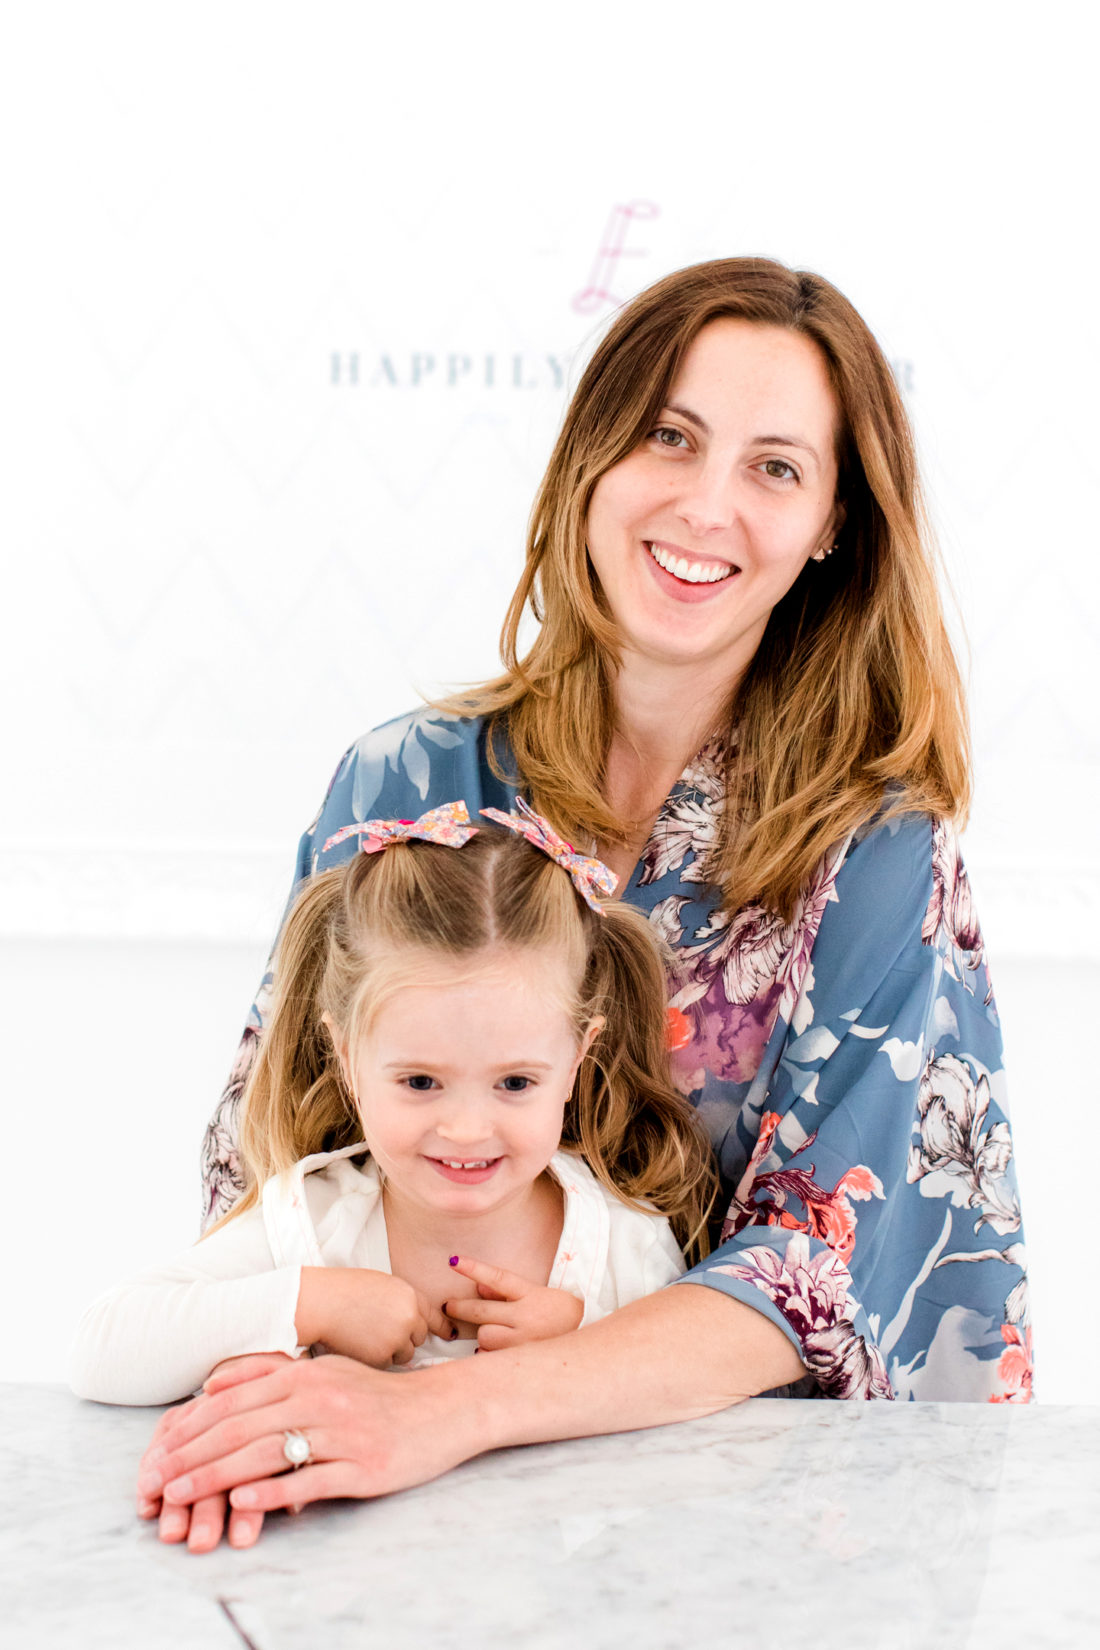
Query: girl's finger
x=479, y=1311
x=438, y=1322
x=495, y=1337
x=508, y=1285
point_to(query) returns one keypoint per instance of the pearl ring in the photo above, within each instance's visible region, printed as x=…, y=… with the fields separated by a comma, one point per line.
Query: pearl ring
x=296, y=1449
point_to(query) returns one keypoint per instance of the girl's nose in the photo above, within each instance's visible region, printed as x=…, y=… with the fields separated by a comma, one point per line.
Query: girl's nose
x=465, y=1125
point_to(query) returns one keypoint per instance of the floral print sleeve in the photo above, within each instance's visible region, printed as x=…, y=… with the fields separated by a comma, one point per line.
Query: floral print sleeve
x=874, y=1214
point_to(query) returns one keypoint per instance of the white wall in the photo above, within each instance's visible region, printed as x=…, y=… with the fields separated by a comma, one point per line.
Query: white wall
x=223, y=558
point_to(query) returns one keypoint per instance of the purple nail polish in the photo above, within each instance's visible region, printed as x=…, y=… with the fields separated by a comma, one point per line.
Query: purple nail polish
x=454, y=1334
x=453, y=1261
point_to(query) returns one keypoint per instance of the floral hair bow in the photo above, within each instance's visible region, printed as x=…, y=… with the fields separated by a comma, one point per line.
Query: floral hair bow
x=589, y=876
x=448, y=825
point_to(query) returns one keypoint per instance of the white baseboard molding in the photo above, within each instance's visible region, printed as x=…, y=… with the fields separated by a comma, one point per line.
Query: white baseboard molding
x=235, y=896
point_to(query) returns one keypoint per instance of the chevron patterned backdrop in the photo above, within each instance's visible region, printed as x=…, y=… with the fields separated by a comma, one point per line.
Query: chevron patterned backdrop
x=293, y=314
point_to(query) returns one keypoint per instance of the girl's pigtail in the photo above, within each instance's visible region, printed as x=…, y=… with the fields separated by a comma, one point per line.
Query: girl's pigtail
x=638, y=1133
x=296, y=1101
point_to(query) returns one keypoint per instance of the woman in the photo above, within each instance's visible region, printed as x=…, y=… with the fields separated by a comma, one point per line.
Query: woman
x=742, y=693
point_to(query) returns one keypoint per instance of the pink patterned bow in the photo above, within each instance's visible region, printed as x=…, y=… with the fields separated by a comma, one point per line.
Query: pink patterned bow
x=589, y=876
x=448, y=825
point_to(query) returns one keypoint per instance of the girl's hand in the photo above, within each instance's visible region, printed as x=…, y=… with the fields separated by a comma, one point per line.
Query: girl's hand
x=202, y=1524
x=511, y=1309
x=370, y=1316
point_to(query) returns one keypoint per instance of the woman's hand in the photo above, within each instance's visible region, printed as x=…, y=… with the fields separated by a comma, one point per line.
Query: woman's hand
x=684, y=1352
x=370, y=1316
x=370, y=1432
x=201, y=1524
x=510, y=1309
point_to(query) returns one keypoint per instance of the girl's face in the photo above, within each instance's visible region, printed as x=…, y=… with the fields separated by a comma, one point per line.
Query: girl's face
x=698, y=532
x=462, y=1084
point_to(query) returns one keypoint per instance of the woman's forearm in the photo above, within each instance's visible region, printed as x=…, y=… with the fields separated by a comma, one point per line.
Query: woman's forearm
x=687, y=1351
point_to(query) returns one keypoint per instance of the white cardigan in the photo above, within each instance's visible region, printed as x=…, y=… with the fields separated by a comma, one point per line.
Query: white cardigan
x=156, y=1337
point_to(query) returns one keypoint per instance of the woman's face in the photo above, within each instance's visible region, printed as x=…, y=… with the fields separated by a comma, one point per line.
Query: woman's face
x=698, y=532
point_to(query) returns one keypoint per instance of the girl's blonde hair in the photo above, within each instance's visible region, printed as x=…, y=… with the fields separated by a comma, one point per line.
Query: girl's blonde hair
x=854, y=691
x=362, y=930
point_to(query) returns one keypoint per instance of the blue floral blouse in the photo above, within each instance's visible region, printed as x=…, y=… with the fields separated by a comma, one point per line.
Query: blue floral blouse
x=847, y=1066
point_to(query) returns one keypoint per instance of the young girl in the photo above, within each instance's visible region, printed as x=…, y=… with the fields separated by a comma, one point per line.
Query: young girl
x=460, y=1132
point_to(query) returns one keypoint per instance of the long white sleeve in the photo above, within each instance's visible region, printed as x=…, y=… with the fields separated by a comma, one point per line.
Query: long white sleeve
x=156, y=1337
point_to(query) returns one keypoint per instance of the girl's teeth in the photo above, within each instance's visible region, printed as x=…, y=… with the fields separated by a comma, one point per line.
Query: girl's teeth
x=692, y=572
x=455, y=1163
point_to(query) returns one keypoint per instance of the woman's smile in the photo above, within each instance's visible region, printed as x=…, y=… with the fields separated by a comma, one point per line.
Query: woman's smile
x=686, y=577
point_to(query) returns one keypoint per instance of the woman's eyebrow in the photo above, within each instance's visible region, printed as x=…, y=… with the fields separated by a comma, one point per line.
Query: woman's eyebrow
x=787, y=441
x=758, y=441
x=692, y=418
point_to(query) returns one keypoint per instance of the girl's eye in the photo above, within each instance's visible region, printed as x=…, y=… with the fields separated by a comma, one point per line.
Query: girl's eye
x=666, y=436
x=515, y=1085
x=779, y=470
x=420, y=1082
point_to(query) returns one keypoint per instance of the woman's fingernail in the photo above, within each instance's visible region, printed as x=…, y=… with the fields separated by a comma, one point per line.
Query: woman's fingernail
x=179, y=1489
x=453, y=1261
x=149, y=1484
x=156, y=1454
x=454, y=1334
x=243, y=1497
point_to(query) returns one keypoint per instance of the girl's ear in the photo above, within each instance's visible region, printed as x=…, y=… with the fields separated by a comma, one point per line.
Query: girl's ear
x=339, y=1043
x=591, y=1032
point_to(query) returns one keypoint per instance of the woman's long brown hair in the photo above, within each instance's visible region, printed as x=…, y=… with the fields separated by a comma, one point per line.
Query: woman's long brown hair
x=854, y=693
x=359, y=932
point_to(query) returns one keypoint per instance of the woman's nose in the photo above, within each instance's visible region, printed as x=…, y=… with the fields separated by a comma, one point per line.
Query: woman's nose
x=708, y=502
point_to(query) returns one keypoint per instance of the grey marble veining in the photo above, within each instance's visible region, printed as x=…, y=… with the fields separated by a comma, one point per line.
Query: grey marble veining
x=775, y=1524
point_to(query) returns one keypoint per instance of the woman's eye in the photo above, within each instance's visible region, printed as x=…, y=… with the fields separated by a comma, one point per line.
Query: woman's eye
x=515, y=1085
x=420, y=1082
x=779, y=470
x=666, y=436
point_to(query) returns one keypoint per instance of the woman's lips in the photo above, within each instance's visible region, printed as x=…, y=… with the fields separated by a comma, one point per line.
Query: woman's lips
x=466, y=1171
x=685, y=589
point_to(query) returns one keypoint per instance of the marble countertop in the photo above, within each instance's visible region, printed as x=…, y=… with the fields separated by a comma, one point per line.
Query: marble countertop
x=778, y=1523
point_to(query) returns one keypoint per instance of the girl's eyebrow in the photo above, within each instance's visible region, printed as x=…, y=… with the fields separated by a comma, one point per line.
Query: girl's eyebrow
x=418, y=1064
x=758, y=441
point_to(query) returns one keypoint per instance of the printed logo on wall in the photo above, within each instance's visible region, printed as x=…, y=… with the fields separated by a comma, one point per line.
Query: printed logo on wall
x=518, y=369
x=500, y=369
x=597, y=294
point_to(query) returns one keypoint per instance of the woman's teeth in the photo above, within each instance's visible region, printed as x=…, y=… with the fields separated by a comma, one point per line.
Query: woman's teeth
x=692, y=572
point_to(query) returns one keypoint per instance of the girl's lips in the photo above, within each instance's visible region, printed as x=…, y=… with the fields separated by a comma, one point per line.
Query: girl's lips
x=679, y=589
x=465, y=1176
